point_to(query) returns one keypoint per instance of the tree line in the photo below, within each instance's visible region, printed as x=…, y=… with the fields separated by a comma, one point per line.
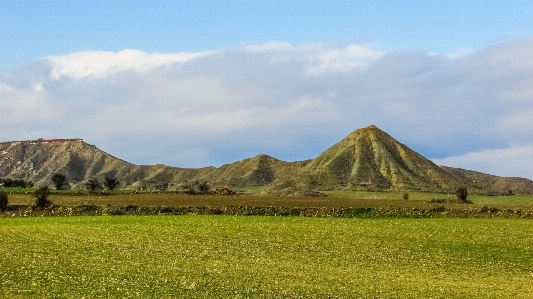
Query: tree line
x=15, y=183
x=61, y=182
x=92, y=184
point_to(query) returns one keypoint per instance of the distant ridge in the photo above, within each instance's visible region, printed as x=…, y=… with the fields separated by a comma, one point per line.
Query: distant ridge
x=366, y=159
x=41, y=140
x=37, y=160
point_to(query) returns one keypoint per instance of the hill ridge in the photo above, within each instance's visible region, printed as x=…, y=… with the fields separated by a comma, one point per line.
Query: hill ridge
x=366, y=159
x=371, y=159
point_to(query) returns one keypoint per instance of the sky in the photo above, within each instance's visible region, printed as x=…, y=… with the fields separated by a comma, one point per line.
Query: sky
x=206, y=83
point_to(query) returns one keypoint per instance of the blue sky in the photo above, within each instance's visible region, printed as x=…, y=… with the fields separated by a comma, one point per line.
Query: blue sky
x=32, y=30
x=198, y=83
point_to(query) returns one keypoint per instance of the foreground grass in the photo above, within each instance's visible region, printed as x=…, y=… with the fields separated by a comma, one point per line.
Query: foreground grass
x=264, y=257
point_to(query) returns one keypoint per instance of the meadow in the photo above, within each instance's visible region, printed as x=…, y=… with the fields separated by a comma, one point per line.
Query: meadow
x=264, y=257
x=250, y=197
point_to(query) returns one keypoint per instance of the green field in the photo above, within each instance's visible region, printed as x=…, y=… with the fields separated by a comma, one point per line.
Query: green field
x=251, y=195
x=509, y=201
x=264, y=257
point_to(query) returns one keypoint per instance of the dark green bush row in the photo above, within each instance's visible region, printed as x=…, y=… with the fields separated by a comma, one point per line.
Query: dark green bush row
x=93, y=210
x=14, y=183
x=3, y=200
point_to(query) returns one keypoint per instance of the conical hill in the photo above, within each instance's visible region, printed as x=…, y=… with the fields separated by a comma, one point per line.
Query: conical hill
x=370, y=159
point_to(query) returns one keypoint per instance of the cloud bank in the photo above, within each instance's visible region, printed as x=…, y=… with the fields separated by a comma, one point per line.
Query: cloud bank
x=512, y=161
x=288, y=101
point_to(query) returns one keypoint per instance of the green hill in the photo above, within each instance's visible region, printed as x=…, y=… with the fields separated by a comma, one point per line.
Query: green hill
x=370, y=159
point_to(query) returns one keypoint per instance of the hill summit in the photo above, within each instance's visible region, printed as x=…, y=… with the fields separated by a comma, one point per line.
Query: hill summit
x=370, y=159
x=366, y=159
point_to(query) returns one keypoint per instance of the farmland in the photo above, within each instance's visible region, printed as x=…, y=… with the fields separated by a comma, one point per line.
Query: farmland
x=265, y=257
x=215, y=256
x=337, y=204
x=249, y=197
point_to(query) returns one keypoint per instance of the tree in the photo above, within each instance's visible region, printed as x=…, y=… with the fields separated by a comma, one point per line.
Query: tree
x=92, y=184
x=203, y=186
x=111, y=182
x=461, y=193
x=14, y=183
x=405, y=195
x=41, y=197
x=59, y=180
x=196, y=187
x=3, y=200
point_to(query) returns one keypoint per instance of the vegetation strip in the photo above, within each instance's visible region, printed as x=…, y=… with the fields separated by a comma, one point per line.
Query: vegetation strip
x=439, y=211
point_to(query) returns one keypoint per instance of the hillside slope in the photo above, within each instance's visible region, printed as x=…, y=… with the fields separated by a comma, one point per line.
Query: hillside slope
x=491, y=184
x=37, y=160
x=260, y=170
x=370, y=159
x=367, y=159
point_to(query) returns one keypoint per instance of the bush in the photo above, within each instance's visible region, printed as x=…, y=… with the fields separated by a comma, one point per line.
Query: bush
x=3, y=200
x=14, y=183
x=111, y=182
x=92, y=184
x=196, y=187
x=41, y=197
x=461, y=194
x=59, y=180
x=203, y=186
x=438, y=209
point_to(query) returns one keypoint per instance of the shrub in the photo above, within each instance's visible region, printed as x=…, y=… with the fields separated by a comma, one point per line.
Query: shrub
x=203, y=186
x=59, y=180
x=405, y=195
x=461, y=193
x=438, y=209
x=14, y=183
x=111, y=182
x=486, y=209
x=196, y=187
x=3, y=200
x=92, y=184
x=41, y=197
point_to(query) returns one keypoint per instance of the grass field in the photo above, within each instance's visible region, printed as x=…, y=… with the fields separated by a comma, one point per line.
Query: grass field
x=512, y=200
x=334, y=199
x=264, y=257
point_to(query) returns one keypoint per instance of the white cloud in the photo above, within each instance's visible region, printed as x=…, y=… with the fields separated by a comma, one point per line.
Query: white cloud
x=321, y=59
x=519, y=121
x=93, y=64
x=511, y=162
x=272, y=98
x=272, y=46
x=21, y=106
x=342, y=60
x=459, y=53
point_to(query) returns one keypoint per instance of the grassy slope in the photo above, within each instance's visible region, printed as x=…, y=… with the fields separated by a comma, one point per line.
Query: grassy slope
x=264, y=257
x=370, y=159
